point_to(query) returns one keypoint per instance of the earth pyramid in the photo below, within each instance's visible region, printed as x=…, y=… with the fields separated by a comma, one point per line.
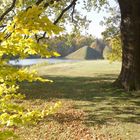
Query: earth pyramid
x=85, y=53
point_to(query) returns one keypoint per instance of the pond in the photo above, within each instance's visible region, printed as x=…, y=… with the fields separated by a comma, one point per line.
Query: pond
x=27, y=62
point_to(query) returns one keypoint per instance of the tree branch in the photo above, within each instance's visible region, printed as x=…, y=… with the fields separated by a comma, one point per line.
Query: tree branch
x=65, y=10
x=72, y=4
x=39, y=1
x=38, y=39
x=8, y=10
x=73, y=10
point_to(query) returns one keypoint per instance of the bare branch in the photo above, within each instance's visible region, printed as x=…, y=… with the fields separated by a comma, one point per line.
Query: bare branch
x=73, y=10
x=41, y=37
x=65, y=10
x=72, y=4
x=8, y=10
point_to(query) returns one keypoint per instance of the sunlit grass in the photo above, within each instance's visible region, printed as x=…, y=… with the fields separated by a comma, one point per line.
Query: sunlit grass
x=89, y=68
x=92, y=107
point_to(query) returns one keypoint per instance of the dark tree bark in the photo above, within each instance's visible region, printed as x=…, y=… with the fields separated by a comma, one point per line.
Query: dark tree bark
x=129, y=77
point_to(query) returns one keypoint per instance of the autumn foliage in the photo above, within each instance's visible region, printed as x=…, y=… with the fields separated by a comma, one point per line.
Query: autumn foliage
x=17, y=39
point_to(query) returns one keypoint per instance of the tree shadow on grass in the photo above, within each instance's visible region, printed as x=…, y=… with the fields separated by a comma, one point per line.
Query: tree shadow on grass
x=95, y=95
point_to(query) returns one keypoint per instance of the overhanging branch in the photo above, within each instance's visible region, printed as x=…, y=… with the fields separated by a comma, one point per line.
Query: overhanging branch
x=8, y=10
x=72, y=4
x=65, y=10
x=73, y=10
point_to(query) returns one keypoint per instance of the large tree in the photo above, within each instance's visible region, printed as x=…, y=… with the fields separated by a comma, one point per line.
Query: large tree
x=129, y=77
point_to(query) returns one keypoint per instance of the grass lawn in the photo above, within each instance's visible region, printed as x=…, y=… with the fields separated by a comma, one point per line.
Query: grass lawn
x=92, y=108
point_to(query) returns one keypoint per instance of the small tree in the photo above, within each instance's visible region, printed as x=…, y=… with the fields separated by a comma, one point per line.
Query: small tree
x=17, y=38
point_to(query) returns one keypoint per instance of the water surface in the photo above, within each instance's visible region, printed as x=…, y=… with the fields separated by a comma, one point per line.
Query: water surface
x=27, y=62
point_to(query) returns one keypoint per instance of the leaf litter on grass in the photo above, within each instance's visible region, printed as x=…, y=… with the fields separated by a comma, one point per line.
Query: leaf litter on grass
x=68, y=124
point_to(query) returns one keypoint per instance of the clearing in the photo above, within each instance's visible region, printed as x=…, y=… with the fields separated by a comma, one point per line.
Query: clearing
x=92, y=109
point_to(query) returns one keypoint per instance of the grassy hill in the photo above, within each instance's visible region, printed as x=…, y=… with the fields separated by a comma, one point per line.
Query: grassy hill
x=85, y=53
x=91, y=107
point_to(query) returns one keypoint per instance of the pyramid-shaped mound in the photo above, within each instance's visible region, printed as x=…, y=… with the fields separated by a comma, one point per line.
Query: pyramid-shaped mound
x=85, y=53
x=98, y=45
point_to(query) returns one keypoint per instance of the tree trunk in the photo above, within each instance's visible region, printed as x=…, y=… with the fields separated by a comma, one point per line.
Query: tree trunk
x=129, y=77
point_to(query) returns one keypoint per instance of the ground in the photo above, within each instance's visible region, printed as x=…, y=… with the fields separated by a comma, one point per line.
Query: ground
x=92, y=109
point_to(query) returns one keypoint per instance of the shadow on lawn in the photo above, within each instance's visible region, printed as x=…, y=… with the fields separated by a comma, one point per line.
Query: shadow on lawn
x=95, y=95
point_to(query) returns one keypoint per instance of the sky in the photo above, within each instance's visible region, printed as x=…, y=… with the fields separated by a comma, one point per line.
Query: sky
x=95, y=28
